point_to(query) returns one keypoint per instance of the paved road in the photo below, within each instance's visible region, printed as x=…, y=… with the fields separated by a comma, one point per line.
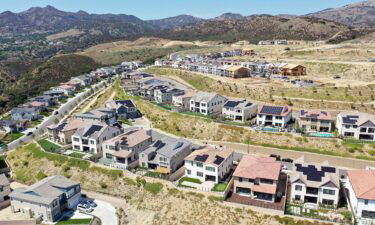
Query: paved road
x=67, y=107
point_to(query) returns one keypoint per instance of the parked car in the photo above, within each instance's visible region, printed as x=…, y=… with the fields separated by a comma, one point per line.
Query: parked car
x=277, y=157
x=90, y=203
x=84, y=208
x=29, y=134
x=56, y=112
x=287, y=160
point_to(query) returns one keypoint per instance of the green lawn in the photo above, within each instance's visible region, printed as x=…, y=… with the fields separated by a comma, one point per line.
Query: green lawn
x=11, y=137
x=74, y=221
x=153, y=188
x=48, y=146
x=77, y=155
x=220, y=187
x=34, y=123
x=188, y=179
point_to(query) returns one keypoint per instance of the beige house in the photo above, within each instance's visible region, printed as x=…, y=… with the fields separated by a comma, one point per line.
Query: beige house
x=123, y=150
x=46, y=199
x=257, y=178
x=315, y=121
x=240, y=111
x=62, y=133
x=183, y=101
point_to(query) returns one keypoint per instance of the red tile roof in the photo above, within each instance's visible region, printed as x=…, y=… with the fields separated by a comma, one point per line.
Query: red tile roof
x=253, y=167
x=363, y=183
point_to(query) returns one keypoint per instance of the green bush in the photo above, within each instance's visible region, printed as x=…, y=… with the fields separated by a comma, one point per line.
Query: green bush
x=215, y=198
x=153, y=188
x=40, y=175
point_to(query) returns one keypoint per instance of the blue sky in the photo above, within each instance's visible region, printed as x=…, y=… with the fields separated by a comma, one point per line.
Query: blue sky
x=154, y=9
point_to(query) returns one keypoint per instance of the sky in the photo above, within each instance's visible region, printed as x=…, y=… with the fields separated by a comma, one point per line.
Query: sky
x=156, y=9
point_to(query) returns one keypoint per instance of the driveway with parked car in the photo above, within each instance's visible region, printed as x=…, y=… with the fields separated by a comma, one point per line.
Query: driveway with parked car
x=101, y=209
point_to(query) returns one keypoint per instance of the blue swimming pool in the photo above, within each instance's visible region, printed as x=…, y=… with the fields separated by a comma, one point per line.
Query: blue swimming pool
x=317, y=134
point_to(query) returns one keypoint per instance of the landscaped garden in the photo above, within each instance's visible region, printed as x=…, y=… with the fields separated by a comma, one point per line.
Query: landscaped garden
x=220, y=187
x=48, y=146
x=181, y=182
x=74, y=221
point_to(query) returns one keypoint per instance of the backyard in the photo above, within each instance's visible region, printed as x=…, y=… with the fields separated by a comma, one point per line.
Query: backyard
x=48, y=145
x=10, y=137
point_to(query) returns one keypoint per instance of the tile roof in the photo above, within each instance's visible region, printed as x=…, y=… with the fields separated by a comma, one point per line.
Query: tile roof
x=130, y=138
x=210, y=155
x=363, y=183
x=320, y=115
x=253, y=167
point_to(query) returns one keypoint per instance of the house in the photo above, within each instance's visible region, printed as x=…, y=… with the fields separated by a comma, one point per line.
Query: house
x=315, y=121
x=223, y=70
x=38, y=106
x=248, y=52
x=8, y=126
x=207, y=103
x=47, y=199
x=4, y=191
x=124, y=149
x=101, y=115
x=278, y=116
x=356, y=125
x=165, y=95
x=62, y=133
x=281, y=42
x=54, y=94
x=360, y=186
x=83, y=80
x=314, y=184
x=90, y=137
x=66, y=89
x=124, y=109
x=293, y=70
x=209, y=164
x=257, y=178
x=165, y=155
x=237, y=72
x=239, y=110
x=25, y=113
x=183, y=101
x=46, y=99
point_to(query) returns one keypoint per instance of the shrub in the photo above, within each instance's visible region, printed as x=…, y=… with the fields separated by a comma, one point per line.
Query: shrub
x=40, y=175
x=103, y=185
x=153, y=188
x=215, y=198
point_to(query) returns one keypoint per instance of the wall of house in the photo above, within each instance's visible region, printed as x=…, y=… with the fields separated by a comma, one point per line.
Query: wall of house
x=5, y=192
x=36, y=209
x=261, y=119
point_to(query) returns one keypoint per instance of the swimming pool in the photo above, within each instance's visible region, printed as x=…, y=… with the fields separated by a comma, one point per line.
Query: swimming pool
x=317, y=134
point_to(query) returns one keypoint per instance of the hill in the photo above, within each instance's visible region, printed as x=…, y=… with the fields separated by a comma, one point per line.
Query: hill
x=21, y=80
x=229, y=16
x=176, y=21
x=255, y=28
x=360, y=14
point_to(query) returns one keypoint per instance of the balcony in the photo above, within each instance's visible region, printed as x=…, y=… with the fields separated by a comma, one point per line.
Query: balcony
x=312, y=191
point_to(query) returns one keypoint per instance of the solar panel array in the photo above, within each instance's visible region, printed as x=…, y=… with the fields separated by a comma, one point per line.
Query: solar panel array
x=231, y=104
x=350, y=119
x=312, y=173
x=218, y=160
x=275, y=110
x=92, y=130
x=201, y=158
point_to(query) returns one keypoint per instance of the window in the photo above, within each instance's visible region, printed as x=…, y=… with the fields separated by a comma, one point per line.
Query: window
x=297, y=197
x=266, y=181
x=209, y=168
x=371, y=130
x=76, y=139
x=240, y=179
x=298, y=188
x=163, y=159
x=328, y=192
x=366, y=202
x=363, y=129
x=347, y=126
x=108, y=156
x=1, y=188
x=76, y=147
x=327, y=202
x=188, y=172
x=199, y=174
x=199, y=164
x=92, y=142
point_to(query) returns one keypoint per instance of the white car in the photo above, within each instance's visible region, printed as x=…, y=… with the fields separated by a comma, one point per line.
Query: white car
x=84, y=208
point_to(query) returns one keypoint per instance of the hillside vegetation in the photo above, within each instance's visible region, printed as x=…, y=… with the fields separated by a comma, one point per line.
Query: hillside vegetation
x=24, y=80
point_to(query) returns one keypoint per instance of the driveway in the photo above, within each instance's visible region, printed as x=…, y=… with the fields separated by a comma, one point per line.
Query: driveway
x=105, y=212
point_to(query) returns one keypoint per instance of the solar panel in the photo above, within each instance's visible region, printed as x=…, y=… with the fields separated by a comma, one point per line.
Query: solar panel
x=159, y=144
x=328, y=169
x=92, y=130
x=218, y=160
x=231, y=104
x=201, y=158
x=312, y=173
x=275, y=110
x=350, y=119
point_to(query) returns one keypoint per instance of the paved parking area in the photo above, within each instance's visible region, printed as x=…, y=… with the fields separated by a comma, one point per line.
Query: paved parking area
x=105, y=212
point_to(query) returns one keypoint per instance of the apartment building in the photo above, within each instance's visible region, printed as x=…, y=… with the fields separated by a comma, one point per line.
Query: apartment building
x=207, y=103
x=124, y=149
x=314, y=184
x=47, y=199
x=240, y=111
x=257, y=178
x=356, y=125
x=90, y=137
x=315, y=121
x=278, y=116
x=209, y=164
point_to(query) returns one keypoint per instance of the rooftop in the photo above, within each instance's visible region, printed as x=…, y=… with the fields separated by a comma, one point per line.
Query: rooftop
x=358, y=118
x=238, y=104
x=363, y=188
x=130, y=138
x=210, y=155
x=274, y=110
x=253, y=167
x=320, y=115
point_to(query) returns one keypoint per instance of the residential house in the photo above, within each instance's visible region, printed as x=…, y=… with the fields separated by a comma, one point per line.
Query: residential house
x=183, y=101
x=165, y=155
x=207, y=103
x=223, y=70
x=239, y=110
x=281, y=42
x=360, y=187
x=257, y=178
x=314, y=184
x=124, y=109
x=165, y=95
x=278, y=116
x=293, y=70
x=25, y=113
x=90, y=137
x=209, y=164
x=46, y=99
x=4, y=191
x=54, y=94
x=83, y=80
x=9, y=126
x=62, y=133
x=356, y=125
x=237, y=72
x=38, y=106
x=101, y=115
x=47, y=199
x=66, y=89
x=315, y=121
x=248, y=52
x=124, y=149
